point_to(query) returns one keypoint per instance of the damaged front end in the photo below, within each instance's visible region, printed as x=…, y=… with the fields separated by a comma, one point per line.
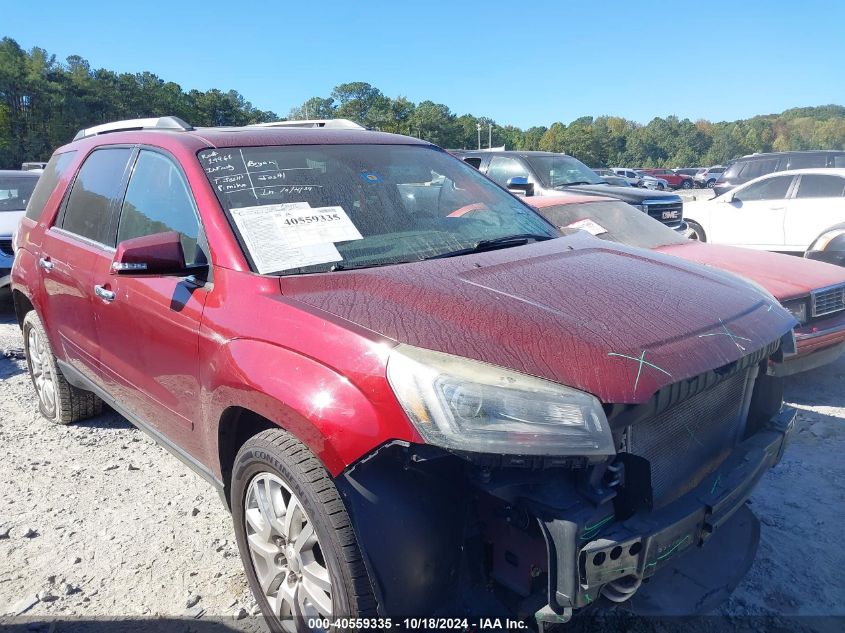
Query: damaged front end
x=450, y=532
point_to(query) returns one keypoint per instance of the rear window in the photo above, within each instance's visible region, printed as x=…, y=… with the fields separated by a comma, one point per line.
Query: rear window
x=15, y=191
x=756, y=168
x=820, y=186
x=53, y=172
x=98, y=187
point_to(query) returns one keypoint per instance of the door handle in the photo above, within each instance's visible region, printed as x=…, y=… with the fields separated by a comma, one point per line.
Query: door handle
x=106, y=295
x=776, y=208
x=45, y=263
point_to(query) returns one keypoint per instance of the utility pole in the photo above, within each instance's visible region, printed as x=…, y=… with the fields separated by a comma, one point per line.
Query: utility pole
x=478, y=128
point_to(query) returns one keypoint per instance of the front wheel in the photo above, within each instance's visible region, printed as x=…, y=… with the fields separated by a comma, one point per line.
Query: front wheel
x=711, y=183
x=295, y=538
x=696, y=232
x=686, y=184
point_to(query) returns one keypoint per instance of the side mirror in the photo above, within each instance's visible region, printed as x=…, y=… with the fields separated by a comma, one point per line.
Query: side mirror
x=520, y=186
x=157, y=254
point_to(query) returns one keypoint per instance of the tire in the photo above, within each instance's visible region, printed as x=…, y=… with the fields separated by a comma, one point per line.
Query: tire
x=58, y=400
x=686, y=184
x=711, y=183
x=277, y=462
x=696, y=232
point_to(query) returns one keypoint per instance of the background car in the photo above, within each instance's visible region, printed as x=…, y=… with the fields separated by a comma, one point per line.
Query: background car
x=829, y=246
x=15, y=190
x=611, y=178
x=675, y=180
x=634, y=178
x=687, y=171
x=549, y=174
x=653, y=182
x=813, y=291
x=747, y=168
x=783, y=211
x=707, y=177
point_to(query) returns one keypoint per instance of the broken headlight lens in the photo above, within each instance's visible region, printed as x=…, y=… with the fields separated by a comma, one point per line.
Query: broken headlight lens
x=466, y=405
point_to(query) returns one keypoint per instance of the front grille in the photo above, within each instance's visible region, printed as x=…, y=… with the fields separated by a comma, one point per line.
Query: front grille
x=670, y=213
x=6, y=246
x=828, y=301
x=688, y=441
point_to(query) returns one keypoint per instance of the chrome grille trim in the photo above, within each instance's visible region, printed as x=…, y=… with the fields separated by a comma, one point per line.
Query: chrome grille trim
x=828, y=300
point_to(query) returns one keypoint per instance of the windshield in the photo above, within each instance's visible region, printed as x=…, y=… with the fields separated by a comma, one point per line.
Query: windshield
x=561, y=170
x=15, y=192
x=612, y=220
x=316, y=208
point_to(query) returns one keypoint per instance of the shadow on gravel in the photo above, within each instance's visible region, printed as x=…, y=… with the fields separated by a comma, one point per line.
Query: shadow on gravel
x=108, y=419
x=10, y=367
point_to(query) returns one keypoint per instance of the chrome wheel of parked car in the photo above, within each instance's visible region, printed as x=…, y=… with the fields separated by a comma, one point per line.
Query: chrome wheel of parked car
x=42, y=377
x=686, y=184
x=286, y=552
x=695, y=232
x=710, y=183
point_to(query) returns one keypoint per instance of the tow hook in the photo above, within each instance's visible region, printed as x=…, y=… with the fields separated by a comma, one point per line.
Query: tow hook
x=546, y=617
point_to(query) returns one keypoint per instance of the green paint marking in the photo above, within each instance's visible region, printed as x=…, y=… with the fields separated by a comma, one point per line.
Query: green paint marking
x=716, y=483
x=692, y=435
x=734, y=337
x=591, y=530
x=588, y=598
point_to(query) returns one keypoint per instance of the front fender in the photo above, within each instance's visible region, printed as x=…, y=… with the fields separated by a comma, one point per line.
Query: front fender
x=338, y=419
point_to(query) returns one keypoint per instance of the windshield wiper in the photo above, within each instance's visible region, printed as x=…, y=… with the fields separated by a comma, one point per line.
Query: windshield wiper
x=495, y=243
x=577, y=182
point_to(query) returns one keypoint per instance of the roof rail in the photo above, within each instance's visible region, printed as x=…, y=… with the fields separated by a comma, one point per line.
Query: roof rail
x=337, y=124
x=159, y=123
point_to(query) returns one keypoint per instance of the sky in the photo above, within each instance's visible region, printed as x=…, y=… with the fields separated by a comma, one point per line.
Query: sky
x=521, y=63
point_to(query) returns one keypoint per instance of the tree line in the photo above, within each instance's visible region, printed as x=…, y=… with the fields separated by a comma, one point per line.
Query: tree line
x=44, y=102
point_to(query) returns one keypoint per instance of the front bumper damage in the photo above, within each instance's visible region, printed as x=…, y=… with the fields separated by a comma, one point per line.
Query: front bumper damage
x=591, y=556
x=448, y=537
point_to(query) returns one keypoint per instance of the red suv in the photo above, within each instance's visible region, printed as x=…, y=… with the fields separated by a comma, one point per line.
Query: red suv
x=413, y=399
x=675, y=180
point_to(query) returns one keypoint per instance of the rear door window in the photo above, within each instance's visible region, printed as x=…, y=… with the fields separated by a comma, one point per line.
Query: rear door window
x=769, y=189
x=96, y=192
x=475, y=162
x=56, y=168
x=756, y=168
x=158, y=200
x=820, y=186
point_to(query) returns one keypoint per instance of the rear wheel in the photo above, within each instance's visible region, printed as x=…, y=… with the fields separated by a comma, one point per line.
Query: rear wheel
x=710, y=183
x=58, y=400
x=686, y=184
x=295, y=538
x=696, y=232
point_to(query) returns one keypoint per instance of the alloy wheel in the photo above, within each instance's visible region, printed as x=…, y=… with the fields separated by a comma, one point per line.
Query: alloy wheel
x=42, y=377
x=286, y=552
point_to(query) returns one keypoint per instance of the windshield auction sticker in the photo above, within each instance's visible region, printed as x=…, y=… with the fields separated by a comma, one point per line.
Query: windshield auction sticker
x=293, y=235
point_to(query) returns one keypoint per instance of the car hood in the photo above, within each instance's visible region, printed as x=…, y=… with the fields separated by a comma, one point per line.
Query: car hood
x=632, y=195
x=9, y=221
x=575, y=310
x=785, y=276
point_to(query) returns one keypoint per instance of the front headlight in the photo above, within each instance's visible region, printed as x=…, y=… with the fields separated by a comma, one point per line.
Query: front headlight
x=466, y=405
x=798, y=308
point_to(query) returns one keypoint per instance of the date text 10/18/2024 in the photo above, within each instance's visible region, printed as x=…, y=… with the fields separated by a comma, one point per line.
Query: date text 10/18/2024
x=457, y=624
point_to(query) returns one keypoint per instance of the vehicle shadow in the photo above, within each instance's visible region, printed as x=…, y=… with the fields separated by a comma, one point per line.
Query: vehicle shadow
x=23, y=624
x=824, y=386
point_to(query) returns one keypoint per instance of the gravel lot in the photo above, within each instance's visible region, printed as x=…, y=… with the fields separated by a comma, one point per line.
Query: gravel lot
x=97, y=521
